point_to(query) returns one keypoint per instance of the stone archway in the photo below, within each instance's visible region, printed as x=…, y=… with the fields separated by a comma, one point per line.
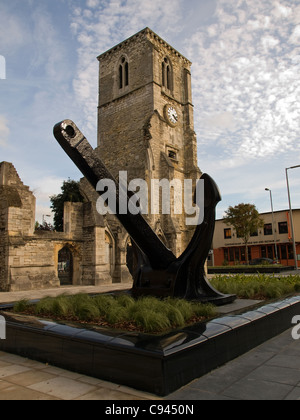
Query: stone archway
x=68, y=263
x=65, y=266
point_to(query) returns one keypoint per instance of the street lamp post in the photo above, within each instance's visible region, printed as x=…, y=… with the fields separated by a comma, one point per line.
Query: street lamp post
x=273, y=224
x=291, y=215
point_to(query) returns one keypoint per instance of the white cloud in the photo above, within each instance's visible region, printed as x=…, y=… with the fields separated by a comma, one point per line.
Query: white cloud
x=43, y=187
x=295, y=37
x=246, y=79
x=92, y=3
x=220, y=122
x=4, y=131
x=14, y=31
x=282, y=11
x=49, y=55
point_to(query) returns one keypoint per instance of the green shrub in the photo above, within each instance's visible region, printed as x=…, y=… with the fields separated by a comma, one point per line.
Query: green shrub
x=185, y=307
x=255, y=286
x=61, y=306
x=21, y=306
x=84, y=307
x=204, y=310
x=152, y=321
x=78, y=301
x=125, y=300
x=44, y=306
x=104, y=303
x=174, y=315
x=116, y=314
x=87, y=311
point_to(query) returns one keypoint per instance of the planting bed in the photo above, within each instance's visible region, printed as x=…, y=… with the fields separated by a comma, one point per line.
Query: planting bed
x=121, y=311
x=158, y=364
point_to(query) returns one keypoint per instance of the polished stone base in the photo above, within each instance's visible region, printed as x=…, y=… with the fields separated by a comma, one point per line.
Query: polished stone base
x=156, y=364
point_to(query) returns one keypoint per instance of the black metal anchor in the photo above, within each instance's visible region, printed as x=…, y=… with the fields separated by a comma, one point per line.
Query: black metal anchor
x=156, y=270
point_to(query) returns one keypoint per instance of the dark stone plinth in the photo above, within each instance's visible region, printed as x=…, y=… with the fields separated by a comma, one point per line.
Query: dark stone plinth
x=159, y=364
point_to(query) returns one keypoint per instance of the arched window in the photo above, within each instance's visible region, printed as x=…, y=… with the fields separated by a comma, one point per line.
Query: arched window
x=123, y=73
x=109, y=251
x=65, y=266
x=167, y=74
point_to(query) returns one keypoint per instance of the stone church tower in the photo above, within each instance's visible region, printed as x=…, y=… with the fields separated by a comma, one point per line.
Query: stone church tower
x=145, y=121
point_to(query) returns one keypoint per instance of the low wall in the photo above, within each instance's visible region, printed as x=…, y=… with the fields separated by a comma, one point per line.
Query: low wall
x=249, y=270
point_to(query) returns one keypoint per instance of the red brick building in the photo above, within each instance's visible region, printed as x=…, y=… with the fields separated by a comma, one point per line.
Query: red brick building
x=228, y=249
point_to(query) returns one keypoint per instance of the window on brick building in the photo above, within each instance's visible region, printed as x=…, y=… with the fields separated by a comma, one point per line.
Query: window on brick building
x=283, y=227
x=227, y=234
x=268, y=229
x=167, y=74
x=123, y=73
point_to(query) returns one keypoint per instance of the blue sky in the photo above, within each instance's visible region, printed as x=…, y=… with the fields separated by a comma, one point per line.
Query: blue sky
x=246, y=90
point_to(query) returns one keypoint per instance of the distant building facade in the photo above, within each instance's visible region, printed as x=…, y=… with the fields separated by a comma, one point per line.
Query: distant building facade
x=229, y=249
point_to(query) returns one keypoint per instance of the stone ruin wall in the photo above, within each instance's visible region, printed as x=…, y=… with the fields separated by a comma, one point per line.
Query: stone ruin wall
x=29, y=258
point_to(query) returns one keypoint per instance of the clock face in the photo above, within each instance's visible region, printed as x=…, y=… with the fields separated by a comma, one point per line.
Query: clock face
x=172, y=115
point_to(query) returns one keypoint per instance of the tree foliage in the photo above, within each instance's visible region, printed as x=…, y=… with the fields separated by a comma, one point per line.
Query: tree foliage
x=45, y=227
x=70, y=192
x=246, y=220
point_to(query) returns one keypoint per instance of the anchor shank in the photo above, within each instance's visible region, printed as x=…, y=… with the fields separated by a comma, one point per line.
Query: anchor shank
x=82, y=154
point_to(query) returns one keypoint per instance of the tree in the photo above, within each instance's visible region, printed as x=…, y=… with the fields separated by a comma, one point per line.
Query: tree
x=246, y=220
x=46, y=227
x=70, y=192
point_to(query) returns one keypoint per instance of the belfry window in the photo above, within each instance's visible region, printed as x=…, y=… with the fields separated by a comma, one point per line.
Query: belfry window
x=123, y=73
x=166, y=74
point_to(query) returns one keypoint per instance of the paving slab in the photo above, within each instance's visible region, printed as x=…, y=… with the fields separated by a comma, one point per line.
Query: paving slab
x=265, y=373
x=238, y=305
x=256, y=390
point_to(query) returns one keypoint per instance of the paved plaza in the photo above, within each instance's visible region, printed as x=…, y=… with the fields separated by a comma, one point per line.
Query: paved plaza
x=269, y=372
